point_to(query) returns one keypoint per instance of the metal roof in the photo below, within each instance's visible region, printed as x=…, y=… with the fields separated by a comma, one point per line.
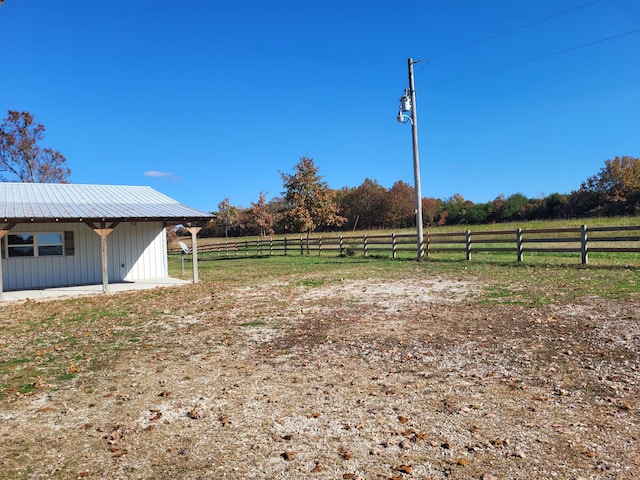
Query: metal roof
x=44, y=202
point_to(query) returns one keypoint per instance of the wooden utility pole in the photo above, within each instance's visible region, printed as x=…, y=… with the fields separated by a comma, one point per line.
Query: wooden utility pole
x=416, y=161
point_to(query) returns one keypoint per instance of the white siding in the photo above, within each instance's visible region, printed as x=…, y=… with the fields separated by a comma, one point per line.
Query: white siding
x=135, y=251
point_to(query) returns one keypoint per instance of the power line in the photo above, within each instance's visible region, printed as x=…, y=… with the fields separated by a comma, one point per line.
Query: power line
x=534, y=59
x=511, y=30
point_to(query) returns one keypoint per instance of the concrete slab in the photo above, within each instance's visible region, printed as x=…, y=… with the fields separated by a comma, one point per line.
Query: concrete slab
x=62, y=292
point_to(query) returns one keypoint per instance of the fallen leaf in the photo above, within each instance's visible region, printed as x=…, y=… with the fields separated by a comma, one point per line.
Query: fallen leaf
x=196, y=414
x=402, y=419
x=345, y=453
x=46, y=409
x=403, y=468
x=288, y=455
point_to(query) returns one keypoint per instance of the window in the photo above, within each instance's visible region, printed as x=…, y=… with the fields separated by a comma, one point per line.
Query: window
x=20, y=245
x=34, y=244
x=49, y=244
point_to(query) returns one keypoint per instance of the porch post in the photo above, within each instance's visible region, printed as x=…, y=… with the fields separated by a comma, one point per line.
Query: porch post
x=103, y=232
x=194, y=250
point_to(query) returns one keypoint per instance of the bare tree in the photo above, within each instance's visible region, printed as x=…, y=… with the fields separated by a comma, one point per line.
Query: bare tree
x=227, y=215
x=22, y=159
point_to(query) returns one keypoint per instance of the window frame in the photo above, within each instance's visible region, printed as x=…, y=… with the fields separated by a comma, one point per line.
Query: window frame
x=37, y=246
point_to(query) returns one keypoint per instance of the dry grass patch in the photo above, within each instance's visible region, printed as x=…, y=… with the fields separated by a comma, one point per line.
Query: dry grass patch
x=324, y=375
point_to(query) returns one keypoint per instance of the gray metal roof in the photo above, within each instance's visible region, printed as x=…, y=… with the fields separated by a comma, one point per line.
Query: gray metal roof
x=41, y=202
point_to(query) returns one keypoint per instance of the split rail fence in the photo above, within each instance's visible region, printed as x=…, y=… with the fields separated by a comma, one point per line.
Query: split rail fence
x=579, y=240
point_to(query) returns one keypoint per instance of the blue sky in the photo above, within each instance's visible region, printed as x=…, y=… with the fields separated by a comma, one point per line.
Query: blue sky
x=207, y=99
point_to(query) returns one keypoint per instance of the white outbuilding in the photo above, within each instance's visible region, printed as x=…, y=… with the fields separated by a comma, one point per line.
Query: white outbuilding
x=56, y=235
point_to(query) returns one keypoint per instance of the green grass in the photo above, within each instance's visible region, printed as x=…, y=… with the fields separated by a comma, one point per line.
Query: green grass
x=542, y=278
x=41, y=340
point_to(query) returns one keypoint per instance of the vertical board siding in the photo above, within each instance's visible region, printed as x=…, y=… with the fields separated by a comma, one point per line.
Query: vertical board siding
x=140, y=247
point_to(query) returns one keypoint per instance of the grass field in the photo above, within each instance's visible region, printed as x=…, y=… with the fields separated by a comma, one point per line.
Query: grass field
x=327, y=367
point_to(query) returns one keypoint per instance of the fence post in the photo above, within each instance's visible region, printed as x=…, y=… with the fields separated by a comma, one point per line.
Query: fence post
x=427, y=244
x=365, y=248
x=319, y=246
x=393, y=245
x=271, y=246
x=285, y=246
x=584, y=245
x=519, y=244
x=341, y=246
x=226, y=247
x=301, y=247
x=468, y=243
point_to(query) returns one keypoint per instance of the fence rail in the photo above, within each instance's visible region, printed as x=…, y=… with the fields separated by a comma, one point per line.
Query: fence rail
x=579, y=240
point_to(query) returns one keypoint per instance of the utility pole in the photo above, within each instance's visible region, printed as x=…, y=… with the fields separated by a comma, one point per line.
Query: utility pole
x=409, y=111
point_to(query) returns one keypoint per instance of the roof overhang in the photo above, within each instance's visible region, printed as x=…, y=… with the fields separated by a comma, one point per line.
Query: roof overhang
x=166, y=220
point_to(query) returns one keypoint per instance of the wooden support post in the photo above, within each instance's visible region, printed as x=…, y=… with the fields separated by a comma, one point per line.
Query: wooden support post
x=285, y=246
x=341, y=246
x=584, y=245
x=319, y=246
x=365, y=247
x=103, y=231
x=468, y=244
x=427, y=245
x=193, y=230
x=393, y=245
x=519, y=244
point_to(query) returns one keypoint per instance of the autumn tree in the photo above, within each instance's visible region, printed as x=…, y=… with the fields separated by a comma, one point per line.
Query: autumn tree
x=260, y=217
x=364, y=206
x=430, y=210
x=615, y=190
x=22, y=159
x=401, y=206
x=310, y=203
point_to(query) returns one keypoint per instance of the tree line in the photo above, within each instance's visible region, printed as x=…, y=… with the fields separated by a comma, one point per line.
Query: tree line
x=307, y=204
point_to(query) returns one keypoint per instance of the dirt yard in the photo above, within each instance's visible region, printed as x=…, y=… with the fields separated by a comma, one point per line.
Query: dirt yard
x=405, y=378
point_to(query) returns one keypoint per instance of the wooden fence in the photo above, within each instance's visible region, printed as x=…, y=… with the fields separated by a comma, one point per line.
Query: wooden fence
x=579, y=240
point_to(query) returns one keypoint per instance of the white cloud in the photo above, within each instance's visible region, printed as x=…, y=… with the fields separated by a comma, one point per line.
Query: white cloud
x=156, y=173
